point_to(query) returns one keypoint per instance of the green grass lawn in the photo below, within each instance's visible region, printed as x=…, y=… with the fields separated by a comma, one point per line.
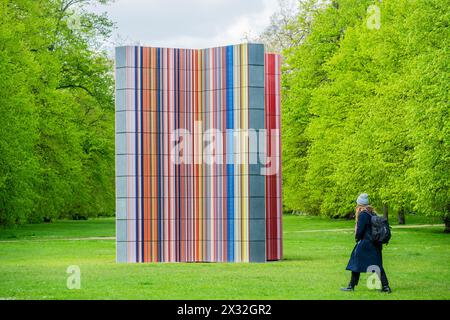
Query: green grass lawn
x=34, y=259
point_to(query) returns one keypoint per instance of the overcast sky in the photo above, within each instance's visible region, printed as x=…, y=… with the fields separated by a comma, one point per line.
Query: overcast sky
x=187, y=23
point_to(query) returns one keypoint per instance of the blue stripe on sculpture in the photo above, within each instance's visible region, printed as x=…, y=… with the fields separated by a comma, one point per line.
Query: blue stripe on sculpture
x=136, y=149
x=230, y=167
x=177, y=125
x=142, y=175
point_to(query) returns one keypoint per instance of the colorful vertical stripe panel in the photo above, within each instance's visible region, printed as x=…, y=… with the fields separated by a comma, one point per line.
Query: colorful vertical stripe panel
x=189, y=126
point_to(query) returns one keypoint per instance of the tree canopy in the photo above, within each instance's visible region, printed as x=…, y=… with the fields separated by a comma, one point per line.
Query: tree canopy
x=366, y=108
x=57, y=112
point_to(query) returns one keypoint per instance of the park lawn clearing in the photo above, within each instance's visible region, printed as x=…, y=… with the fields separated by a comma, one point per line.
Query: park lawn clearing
x=34, y=260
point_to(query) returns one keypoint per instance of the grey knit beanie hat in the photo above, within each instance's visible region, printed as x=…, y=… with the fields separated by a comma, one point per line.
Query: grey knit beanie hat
x=363, y=199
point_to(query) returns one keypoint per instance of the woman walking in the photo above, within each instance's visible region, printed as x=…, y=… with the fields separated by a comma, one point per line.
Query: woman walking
x=366, y=252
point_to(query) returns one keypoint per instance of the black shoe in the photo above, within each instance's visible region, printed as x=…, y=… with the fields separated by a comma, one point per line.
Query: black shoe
x=386, y=289
x=349, y=288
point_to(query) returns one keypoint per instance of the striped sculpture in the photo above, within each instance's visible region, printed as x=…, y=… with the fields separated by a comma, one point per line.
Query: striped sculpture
x=198, y=154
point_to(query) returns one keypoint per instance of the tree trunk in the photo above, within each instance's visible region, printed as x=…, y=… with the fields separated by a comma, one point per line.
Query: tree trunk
x=447, y=224
x=386, y=212
x=401, y=216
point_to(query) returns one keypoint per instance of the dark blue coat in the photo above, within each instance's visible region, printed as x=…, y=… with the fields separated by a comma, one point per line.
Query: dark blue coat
x=365, y=253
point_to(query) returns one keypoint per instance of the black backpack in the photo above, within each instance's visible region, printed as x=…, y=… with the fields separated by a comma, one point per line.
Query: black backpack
x=381, y=231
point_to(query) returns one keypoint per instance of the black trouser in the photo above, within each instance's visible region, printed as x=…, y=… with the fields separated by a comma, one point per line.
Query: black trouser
x=355, y=279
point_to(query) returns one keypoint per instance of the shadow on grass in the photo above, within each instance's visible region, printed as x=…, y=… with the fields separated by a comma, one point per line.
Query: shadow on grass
x=299, y=259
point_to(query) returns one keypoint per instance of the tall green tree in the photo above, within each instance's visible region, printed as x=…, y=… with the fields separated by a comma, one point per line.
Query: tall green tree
x=58, y=107
x=368, y=109
x=19, y=75
x=306, y=181
x=427, y=84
